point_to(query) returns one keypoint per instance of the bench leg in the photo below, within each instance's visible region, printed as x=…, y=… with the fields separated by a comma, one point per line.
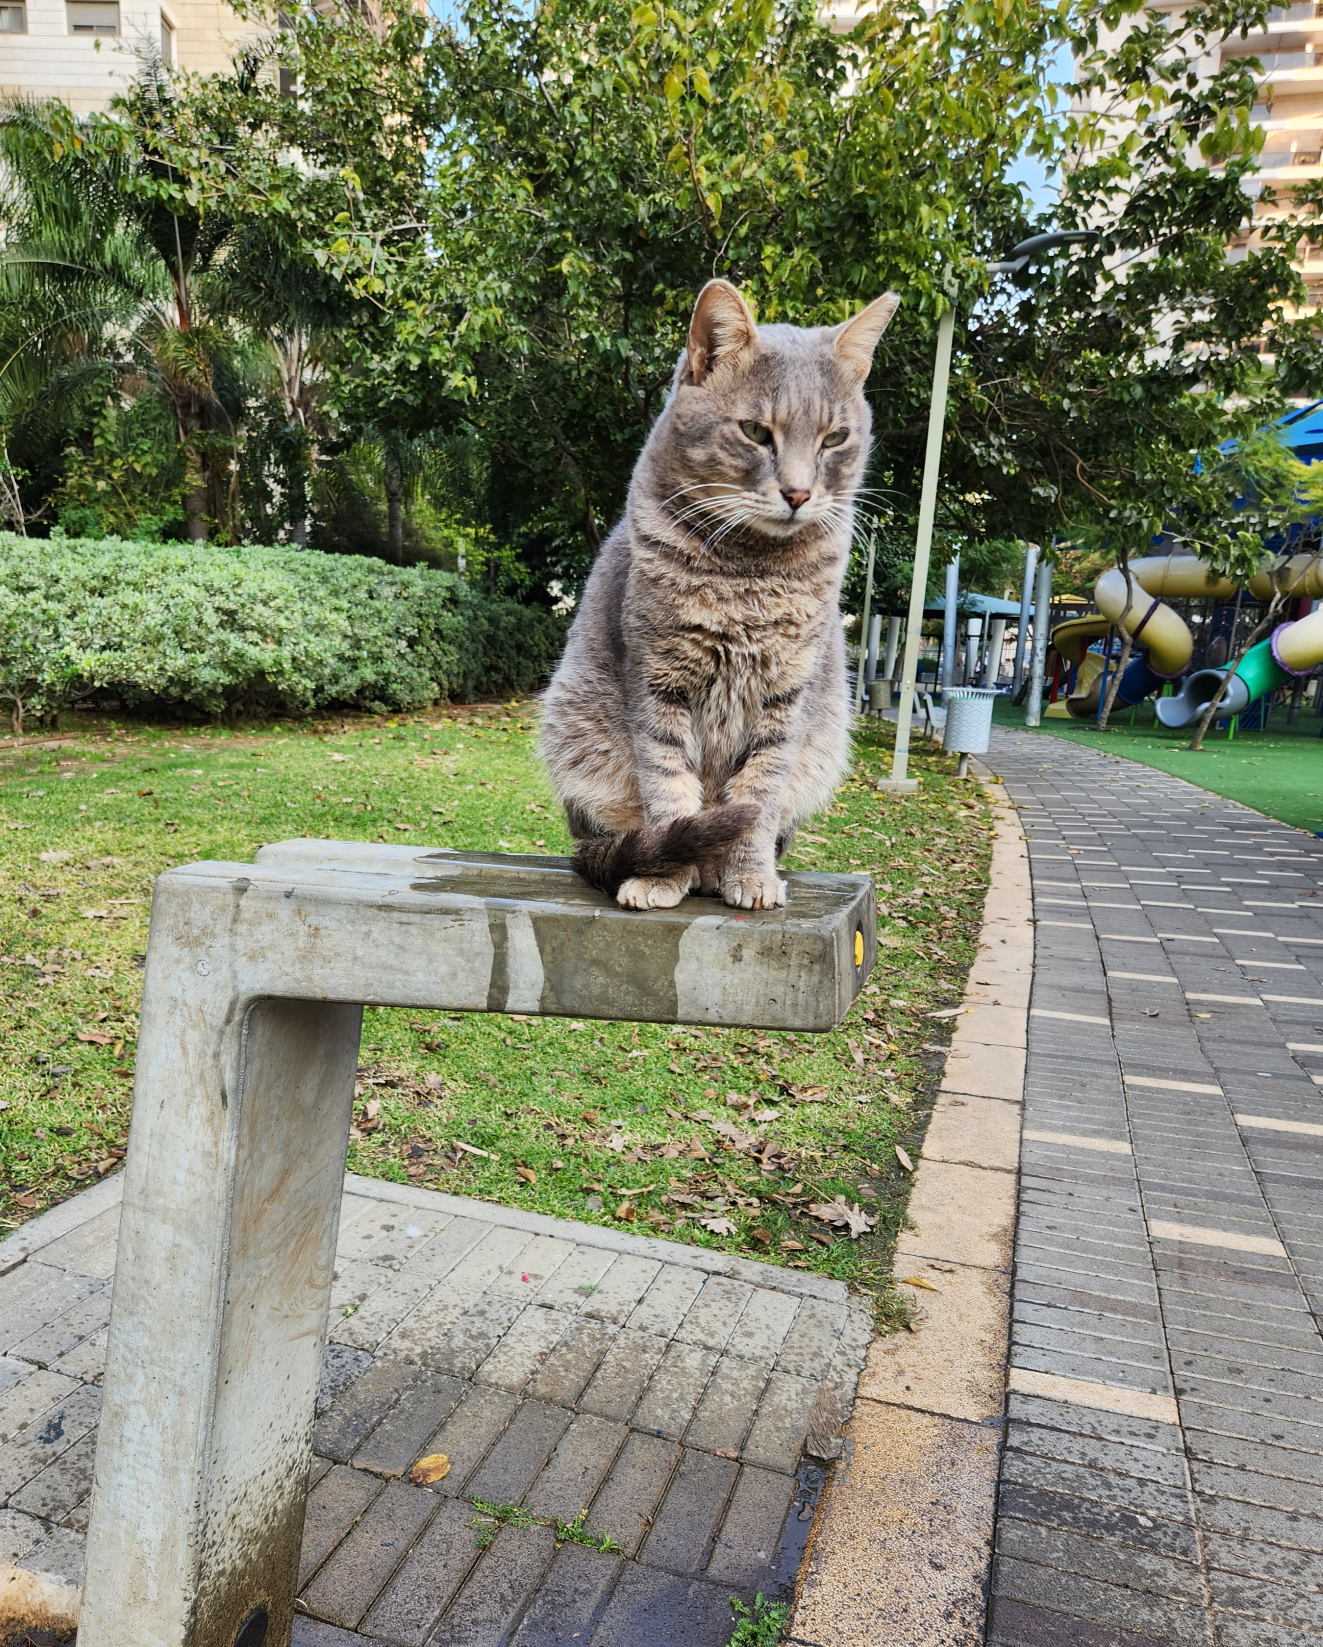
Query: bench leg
x=222, y=1285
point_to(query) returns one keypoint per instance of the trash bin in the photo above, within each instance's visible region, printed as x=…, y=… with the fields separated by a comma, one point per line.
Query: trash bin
x=968, y=722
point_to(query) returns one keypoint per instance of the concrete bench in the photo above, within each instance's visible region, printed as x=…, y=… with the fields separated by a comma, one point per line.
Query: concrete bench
x=255, y=984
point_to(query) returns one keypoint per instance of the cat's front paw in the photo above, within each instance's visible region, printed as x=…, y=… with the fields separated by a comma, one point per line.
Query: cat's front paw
x=648, y=892
x=752, y=890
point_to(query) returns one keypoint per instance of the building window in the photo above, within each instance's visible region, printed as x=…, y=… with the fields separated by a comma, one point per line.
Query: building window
x=289, y=83
x=92, y=16
x=13, y=20
x=167, y=41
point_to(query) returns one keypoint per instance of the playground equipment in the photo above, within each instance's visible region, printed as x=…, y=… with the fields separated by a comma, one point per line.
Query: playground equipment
x=1166, y=645
x=242, y=1103
x=1161, y=634
x=1294, y=649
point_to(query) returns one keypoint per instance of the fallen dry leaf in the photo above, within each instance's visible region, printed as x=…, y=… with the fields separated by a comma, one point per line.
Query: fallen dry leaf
x=719, y=1225
x=918, y=1281
x=94, y=1037
x=627, y=1212
x=947, y=1012
x=436, y=1466
x=902, y=1156
x=527, y=1174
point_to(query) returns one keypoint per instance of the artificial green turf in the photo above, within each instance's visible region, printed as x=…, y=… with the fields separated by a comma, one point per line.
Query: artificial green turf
x=597, y=1121
x=1278, y=771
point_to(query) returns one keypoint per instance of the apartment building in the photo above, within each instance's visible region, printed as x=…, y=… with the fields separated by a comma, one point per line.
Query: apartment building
x=83, y=51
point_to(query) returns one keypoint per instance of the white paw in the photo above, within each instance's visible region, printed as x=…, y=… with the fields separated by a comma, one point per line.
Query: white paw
x=754, y=891
x=640, y=892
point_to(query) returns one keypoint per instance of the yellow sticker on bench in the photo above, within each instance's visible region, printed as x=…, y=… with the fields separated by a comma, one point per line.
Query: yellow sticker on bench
x=858, y=949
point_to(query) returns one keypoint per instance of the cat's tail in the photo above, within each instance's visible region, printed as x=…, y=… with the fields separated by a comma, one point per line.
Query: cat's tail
x=659, y=850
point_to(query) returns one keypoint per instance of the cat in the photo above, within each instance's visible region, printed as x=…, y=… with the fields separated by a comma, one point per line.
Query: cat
x=700, y=712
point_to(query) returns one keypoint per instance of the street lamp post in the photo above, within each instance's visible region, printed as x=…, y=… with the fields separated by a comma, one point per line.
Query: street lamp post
x=1019, y=258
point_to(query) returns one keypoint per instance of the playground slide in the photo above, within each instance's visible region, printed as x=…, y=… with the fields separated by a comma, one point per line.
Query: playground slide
x=1294, y=649
x=1161, y=634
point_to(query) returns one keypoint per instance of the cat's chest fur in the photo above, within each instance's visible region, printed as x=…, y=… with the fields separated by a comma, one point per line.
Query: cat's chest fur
x=730, y=644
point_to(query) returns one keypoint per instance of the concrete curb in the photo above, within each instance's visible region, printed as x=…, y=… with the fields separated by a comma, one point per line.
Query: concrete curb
x=901, y=1554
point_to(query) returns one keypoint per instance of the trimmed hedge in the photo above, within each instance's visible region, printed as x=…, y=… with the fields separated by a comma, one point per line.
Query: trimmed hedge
x=206, y=630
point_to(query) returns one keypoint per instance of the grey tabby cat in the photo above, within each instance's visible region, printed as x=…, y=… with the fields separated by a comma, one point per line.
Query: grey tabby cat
x=700, y=713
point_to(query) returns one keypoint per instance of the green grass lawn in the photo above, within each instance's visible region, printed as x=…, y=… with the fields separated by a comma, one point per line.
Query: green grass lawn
x=1278, y=771
x=599, y=1121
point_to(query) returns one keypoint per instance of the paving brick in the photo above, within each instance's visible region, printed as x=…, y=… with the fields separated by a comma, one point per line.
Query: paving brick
x=657, y=1609
x=497, y=1591
x=1075, y=1513
x=43, y=1305
x=777, y=1436
x=346, y=1585
x=811, y=1341
x=311, y=1632
x=526, y=1274
x=428, y=1578
x=334, y=1506
x=683, y=1528
x=473, y=1337
x=61, y=1554
x=762, y=1327
x=341, y=1365
x=397, y=1442
x=524, y=1348
x=728, y=1407
x=570, y=1599
x=623, y=1375
x=1014, y=1624
x=571, y=1476
x=618, y=1292
x=66, y=1331
x=62, y=1485
x=340, y=1431
x=623, y=1507
x=1104, y=1480
x=508, y=1470
x=49, y=1434
x=674, y=1391
x=576, y=1280
x=565, y=1373
x=19, y=1533
x=468, y=1433
x=667, y=1301
x=745, y=1552
x=714, y=1313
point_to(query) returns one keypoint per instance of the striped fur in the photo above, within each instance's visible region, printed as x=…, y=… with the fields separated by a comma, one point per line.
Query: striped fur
x=706, y=668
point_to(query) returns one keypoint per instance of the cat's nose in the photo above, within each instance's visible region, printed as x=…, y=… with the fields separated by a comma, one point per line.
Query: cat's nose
x=794, y=499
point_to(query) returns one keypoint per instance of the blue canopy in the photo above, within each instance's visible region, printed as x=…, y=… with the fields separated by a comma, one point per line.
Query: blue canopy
x=1302, y=432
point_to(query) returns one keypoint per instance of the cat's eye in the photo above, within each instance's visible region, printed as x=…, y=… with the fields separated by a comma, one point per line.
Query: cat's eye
x=835, y=438
x=758, y=433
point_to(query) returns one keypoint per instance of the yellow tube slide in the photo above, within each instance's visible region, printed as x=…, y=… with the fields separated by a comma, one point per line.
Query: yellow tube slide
x=1300, y=575
x=1162, y=633
x=1300, y=645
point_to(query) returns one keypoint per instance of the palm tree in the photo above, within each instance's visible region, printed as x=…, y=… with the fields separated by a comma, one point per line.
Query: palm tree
x=100, y=278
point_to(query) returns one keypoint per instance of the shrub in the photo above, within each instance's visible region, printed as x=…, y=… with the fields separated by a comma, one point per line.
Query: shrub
x=206, y=630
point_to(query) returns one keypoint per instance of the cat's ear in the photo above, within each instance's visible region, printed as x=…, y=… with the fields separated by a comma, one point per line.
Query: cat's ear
x=856, y=339
x=722, y=328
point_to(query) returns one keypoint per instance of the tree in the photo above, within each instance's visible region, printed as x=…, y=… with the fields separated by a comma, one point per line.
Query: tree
x=594, y=168
x=1097, y=396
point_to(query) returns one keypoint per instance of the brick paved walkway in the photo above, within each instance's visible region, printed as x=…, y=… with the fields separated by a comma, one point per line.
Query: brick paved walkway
x=1163, y=1476
x=667, y=1391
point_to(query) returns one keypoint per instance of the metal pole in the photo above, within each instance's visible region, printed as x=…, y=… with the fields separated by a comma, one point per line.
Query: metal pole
x=1033, y=709
x=973, y=639
x=874, y=647
x=950, y=623
x=893, y=646
x=864, y=620
x=932, y=458
x=992, y=655
x=1026, y=601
